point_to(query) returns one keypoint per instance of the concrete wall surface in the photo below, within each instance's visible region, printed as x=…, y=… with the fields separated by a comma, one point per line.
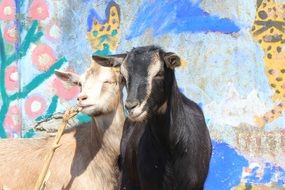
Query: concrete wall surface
x=233, y=66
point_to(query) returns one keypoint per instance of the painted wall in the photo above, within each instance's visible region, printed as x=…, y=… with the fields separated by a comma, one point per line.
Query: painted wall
x=233, y=66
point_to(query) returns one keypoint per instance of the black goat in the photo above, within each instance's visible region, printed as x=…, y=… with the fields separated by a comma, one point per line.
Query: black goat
x=166, y=143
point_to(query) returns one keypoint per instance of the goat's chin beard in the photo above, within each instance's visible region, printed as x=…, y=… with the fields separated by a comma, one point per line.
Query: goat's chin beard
x=140, y=117
x=92, y=111
x=148, y=113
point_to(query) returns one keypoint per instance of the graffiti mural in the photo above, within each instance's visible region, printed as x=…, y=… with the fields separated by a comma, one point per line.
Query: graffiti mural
x=103, y=34
x=269, y=31
x=185, y=17
x=40, y=36
x=13, y=49
x=233, y=67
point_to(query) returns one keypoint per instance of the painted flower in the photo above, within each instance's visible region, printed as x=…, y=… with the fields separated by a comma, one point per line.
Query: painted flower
x=43, y=57
x=38, y=10
x=7, y=10
x=10, y=35
x=12, y=122
x=11, y=78
x=52, y=32
x=64, y=90
x=35, y=106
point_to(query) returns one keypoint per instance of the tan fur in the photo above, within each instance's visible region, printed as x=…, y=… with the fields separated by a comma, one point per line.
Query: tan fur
x=86, y=160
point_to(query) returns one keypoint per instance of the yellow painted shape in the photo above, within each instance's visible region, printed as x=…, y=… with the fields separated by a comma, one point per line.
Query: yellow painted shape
x=183, y=63
x=242, y=186
x=274, y=60
x=105, y=31
x=269, y=31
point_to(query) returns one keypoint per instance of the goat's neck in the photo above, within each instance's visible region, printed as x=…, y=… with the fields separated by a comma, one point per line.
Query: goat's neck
x=174, y=101
x=105, y=120
x=173, y=104
x=107, y=123
x=168, y=122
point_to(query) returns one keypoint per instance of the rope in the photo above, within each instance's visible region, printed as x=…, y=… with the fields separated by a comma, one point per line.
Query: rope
x=70, y=113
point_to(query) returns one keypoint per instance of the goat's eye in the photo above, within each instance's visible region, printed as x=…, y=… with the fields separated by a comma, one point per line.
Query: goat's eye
x=122, y=80
x=109, y=82
x=159, y=75
x=123, y=76
x=78, y=83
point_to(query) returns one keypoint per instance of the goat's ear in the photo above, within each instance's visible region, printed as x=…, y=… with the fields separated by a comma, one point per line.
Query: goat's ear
x=172, y=60
x=71, y=78
x=110, y=60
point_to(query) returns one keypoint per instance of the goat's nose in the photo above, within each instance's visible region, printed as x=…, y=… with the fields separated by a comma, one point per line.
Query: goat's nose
x=131, y=104
x=82, y=97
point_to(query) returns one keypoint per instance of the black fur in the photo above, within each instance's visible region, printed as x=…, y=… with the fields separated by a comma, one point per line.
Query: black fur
x=167, y=151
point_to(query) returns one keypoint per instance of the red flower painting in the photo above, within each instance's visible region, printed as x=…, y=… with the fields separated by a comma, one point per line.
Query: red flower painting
x=43, y=57
x=38, y=10
x=7, y=10
x=11, y=78
x=65, y=91
x=35, y=106
x=12, y=122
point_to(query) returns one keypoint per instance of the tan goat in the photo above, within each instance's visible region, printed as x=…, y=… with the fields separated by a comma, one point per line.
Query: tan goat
x=88, y=156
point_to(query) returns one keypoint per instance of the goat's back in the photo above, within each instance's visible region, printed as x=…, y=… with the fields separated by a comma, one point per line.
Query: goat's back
x=73, y=165
x=21, y=161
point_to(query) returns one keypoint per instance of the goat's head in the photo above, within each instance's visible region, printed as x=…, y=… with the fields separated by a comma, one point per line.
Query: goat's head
x=148, y=73
x=100, y=88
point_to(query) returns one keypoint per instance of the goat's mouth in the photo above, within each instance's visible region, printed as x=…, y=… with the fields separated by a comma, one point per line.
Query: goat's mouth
x=84, y=106
x=87, y=109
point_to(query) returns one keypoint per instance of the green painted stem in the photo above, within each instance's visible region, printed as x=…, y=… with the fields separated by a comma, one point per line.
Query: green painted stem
x=2, y=49
x=51, y=109
x=2, y=68
x=38, y=80
x=30, y=37
x=5, y=101
x=3, y=111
